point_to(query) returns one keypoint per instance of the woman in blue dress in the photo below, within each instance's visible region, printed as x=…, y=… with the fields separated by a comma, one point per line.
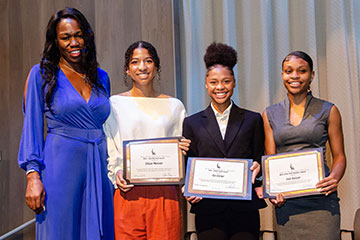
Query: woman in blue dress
x=67, y=179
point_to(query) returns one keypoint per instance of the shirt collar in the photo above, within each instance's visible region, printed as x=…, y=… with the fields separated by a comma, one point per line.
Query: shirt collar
x=226, y=113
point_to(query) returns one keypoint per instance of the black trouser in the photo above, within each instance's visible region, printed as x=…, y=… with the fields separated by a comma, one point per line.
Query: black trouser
x=228, y=225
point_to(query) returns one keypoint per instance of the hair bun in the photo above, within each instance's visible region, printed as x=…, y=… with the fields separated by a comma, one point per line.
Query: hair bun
x=220, y=53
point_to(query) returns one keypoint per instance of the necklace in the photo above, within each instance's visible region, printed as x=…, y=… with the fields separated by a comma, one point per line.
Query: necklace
x=83, y=76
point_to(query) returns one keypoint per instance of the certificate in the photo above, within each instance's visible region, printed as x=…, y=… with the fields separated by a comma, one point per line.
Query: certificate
x=218, y=178
x=293, y=174
x=153, y=162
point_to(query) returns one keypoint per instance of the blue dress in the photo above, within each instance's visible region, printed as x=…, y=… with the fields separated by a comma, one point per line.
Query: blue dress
x=72, y=159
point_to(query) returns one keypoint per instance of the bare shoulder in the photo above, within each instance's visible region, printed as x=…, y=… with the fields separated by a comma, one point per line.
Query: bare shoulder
x=334, y=116
x=127, y=93
x=264, y=114
x=334, y=110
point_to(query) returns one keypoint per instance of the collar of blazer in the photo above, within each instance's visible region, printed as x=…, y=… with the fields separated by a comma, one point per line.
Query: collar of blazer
x=235, y=122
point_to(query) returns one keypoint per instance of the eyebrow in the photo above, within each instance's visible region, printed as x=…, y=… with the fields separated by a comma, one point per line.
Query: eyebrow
x=67, y=33
x=139, y=58
x=285, y=65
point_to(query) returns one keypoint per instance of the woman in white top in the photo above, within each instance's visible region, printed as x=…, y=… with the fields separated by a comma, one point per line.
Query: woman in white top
x=143, y=212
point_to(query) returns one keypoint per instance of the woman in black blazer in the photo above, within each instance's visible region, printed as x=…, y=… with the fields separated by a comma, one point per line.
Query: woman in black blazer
x=223, y=130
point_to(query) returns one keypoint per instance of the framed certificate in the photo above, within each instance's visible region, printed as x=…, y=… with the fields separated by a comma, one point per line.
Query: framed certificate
x=153, y=162
x=218, y=178
x=293, y=174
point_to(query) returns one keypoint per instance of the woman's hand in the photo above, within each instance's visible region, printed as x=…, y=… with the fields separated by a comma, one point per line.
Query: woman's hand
x=255, y=168
x=121, y=182
x=191, y=199
x=259, y=192
x=279, y=201
x=184, y=145
x=35, y=193
x=328, y=185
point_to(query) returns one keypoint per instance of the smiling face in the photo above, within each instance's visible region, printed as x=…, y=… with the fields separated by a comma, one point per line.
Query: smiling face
x=296, y=75
x=141, y=69
x=220, y=84
x=70, y=41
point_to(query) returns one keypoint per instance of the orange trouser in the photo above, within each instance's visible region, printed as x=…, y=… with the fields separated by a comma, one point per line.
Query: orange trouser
x=148, y=212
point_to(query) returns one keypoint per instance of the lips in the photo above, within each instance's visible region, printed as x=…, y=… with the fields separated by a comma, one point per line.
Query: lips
x=220, y=94
x=143, y=75
x=295, y=84
x=75, y=53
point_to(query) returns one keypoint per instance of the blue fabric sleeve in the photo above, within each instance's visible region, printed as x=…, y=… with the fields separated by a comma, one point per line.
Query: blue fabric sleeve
x=107, y=85
x=32, y=139
x=105, y=81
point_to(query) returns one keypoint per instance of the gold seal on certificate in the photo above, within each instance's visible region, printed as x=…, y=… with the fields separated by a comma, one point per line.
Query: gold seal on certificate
x=293, y=174
x=218, y=178
x=153, y=161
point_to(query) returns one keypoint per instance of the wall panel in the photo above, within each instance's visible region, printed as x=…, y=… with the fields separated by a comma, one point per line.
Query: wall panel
x=117, y=23
x=4, y=113
x=120, y=23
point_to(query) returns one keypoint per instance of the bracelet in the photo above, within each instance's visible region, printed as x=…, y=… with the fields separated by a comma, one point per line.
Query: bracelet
x=30, y=171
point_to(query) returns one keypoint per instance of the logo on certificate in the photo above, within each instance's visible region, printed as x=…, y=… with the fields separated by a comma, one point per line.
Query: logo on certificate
x=292, y=166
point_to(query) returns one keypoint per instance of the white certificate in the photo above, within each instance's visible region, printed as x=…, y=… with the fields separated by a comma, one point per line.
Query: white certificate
x=153, y=161
x=218, y=178
x=293, y=174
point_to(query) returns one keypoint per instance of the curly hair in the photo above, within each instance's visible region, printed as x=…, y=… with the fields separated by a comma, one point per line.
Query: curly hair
x=300, y=54
x=222, y=54
x=141, y=44
x=49, y=63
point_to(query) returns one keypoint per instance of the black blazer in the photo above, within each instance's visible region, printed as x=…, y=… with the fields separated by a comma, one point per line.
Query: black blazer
x=244, y=138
